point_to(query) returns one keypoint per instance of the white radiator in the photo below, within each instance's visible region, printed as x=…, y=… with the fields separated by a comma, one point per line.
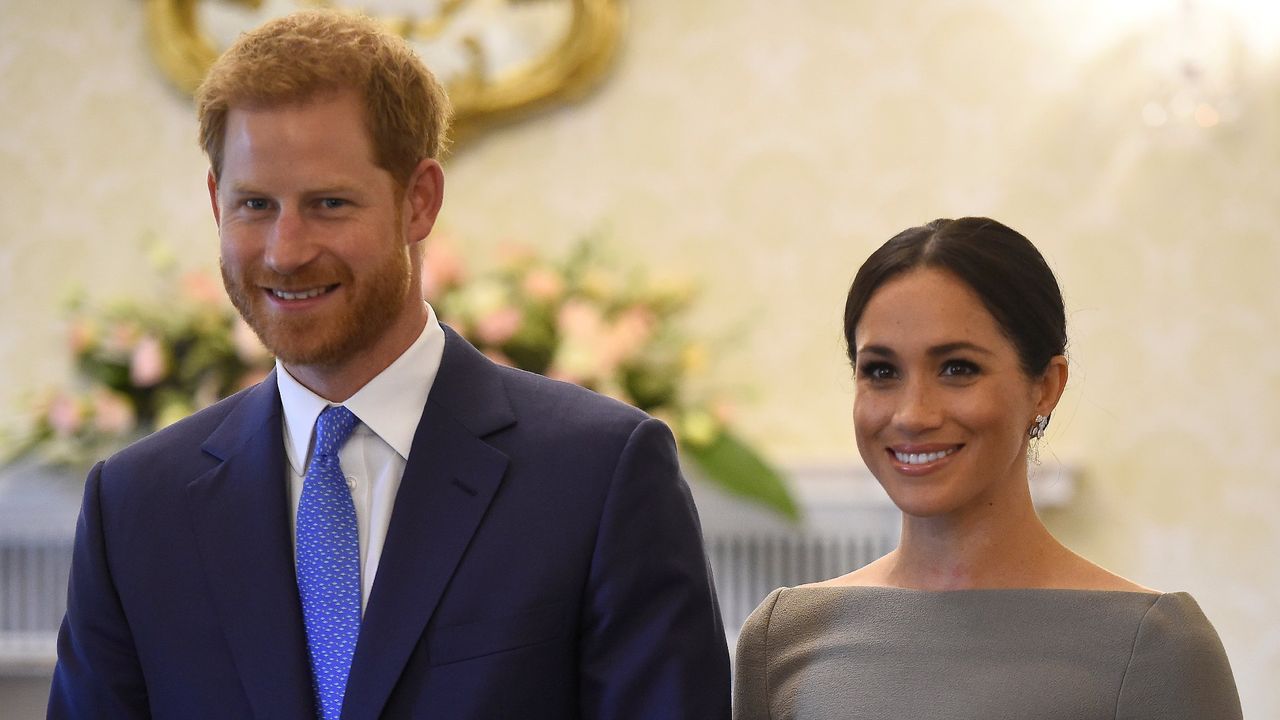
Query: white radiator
x=38, y=511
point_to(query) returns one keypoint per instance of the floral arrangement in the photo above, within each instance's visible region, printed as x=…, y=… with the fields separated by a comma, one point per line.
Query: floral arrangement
x=141, y=367
x=583, y=320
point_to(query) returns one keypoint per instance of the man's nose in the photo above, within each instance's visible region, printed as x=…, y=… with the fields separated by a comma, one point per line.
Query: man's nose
x=290, y=245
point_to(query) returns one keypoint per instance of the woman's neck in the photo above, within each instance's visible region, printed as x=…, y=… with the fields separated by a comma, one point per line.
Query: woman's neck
x=1000, y=543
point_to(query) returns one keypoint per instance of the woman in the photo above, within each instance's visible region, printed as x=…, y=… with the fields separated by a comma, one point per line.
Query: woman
x=957, y=335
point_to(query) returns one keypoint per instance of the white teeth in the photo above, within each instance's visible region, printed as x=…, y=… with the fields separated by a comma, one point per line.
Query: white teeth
x=921, y=458
x=283, y=295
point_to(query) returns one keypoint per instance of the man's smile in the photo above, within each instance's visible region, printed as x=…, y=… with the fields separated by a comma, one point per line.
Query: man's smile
x=305, y=294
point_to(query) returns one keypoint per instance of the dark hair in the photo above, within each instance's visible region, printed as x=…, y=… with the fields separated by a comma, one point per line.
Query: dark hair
x=1005, y=270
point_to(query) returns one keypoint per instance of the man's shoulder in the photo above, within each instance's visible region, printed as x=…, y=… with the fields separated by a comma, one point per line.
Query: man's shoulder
x=468, y=379
x=180, y=442
x=562, y=403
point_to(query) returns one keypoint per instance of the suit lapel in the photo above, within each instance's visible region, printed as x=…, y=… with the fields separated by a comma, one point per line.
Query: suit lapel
x=241, y=522
x=450, y=479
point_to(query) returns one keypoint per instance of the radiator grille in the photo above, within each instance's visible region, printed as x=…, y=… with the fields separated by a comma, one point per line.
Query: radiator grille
x=33, y=576
x=33, y=589
x=748, y=567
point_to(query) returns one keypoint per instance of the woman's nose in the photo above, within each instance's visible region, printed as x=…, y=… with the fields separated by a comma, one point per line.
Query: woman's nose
x=918, y=408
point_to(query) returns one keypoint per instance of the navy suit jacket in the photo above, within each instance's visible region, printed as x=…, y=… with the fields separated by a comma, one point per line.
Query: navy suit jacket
x=543, y=560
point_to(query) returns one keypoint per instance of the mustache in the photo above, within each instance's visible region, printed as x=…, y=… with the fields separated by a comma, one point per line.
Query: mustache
x=314, y=274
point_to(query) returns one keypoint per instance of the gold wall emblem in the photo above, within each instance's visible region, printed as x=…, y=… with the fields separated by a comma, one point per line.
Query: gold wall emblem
x=499, y=59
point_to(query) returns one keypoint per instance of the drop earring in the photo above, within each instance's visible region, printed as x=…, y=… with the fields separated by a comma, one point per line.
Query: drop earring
x=1036, y=431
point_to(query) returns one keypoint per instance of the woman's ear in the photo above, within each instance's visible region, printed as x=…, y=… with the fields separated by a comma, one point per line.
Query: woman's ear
x=1050, y=384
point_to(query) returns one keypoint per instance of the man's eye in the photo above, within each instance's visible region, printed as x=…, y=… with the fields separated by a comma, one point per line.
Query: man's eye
x=876, y=371
x=255, y=204
x=959, y=368
x=333, y=203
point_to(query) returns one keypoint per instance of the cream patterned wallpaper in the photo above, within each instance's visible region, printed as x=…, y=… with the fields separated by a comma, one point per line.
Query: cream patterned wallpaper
x=767, y=148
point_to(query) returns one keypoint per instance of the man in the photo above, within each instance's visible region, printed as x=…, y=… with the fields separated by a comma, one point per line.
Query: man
x=390, y=525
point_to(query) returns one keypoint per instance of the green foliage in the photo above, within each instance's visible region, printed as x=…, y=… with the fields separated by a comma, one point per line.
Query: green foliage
x=741, y=471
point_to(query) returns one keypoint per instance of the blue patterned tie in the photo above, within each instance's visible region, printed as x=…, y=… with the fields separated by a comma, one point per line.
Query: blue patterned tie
x=329, y=563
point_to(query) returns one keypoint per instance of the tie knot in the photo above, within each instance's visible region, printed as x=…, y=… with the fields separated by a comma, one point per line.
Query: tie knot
x=332, y=429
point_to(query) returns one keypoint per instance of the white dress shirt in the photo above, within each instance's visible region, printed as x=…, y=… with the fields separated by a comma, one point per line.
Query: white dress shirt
x=389, y=408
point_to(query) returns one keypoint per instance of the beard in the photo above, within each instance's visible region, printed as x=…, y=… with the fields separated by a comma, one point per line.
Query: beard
x=331, y=335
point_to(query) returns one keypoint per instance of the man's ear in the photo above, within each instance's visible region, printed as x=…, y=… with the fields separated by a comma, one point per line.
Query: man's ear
x=212, y=180
x=423, y=197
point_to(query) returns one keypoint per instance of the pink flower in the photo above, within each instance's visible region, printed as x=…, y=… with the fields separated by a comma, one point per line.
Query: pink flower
x=498, y=326
x=590, y=348
x=442, y=267
x=629, y=333
x=122, y=337
x=723, y=411
x=148, y=364
x=82, y=336
x=579, y=318
x=581, y=355
x=112, y=413
x=499, y=357
x=543, y=285
x=65, y=415
x=201, y=288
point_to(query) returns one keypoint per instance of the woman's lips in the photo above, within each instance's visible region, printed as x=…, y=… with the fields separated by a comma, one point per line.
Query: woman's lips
x=921, y=459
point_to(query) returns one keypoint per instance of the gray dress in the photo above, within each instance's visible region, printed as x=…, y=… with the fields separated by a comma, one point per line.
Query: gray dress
x=877, y=652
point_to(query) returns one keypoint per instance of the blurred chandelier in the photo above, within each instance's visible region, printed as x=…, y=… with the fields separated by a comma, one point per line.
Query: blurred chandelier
x=499, y=59
x=1199, y=62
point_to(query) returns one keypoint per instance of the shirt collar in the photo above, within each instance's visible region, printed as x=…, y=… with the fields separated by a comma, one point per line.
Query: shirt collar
x=390, y=404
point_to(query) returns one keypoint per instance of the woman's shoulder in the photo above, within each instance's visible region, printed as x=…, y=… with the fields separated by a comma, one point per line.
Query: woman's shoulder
x=1178, y=668
x=1176, y=630
x=788, y=614
x=785, y=604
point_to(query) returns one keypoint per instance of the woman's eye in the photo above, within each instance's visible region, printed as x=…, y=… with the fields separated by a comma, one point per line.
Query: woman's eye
x=876, y=371
x=959, y=368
